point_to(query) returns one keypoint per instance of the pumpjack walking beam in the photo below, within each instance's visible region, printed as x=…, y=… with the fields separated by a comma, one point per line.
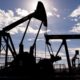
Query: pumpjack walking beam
x=39, y=13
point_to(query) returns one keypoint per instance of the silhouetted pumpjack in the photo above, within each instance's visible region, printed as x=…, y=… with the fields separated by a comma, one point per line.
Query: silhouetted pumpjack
x=25, y=61
x=64, y=43
x=40, y=14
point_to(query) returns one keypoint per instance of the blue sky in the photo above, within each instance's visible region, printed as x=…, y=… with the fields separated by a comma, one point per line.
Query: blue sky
x=63, y=18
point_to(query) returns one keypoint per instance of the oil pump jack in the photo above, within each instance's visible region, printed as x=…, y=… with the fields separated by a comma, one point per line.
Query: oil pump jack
x=39, y=14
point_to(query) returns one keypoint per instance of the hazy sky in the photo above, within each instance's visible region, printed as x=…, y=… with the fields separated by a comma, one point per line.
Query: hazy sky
x=63, y=18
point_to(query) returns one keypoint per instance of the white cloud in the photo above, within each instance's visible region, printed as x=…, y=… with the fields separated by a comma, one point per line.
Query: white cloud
x=31, y=30
x=58, y=40
x=54, y=12
x=22, y=29
x=34, y=31
x=55, y=9
x=64, y=18
x=75, y=19
x=76, y=28
x=75, y=15
x=6, y=18
x=58, y=16
x=13, y=31
x=49, y=14
x=31, y=39
x=76, y=12
x=21, y=12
